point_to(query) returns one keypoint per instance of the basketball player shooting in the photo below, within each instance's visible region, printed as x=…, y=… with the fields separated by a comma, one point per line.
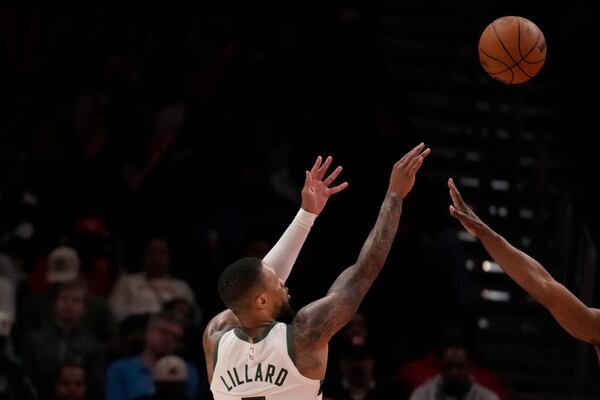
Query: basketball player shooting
x=576, y=318
x=250, y=354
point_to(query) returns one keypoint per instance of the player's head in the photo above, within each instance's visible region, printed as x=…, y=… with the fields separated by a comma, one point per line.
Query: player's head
x=251, y=287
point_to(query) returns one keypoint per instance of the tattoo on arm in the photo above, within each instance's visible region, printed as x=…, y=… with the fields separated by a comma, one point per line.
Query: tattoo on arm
x=220, y=324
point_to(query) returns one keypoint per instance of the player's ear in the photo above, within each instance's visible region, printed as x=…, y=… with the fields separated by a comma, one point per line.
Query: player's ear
x=260, y=301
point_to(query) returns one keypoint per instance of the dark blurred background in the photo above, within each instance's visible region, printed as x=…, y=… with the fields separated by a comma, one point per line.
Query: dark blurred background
x=196, y=121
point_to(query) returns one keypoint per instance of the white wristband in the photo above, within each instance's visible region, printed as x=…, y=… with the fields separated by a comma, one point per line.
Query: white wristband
x=284, y=253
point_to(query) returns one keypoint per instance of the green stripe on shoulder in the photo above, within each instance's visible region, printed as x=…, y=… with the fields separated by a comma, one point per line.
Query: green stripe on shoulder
x=290, y=342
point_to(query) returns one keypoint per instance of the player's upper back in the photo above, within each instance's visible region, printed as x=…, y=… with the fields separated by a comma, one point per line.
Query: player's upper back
x=259, y=367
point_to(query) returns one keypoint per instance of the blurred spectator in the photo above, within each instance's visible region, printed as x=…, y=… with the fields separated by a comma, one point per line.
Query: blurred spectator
x=8, y=297
x=415, y=373
x=61, y=265
x=65, y=339
x=70, y=382
x=357, y=378
x=355, y=372
x=454, y=382
x=5, y=327
x=15, y=383
x=351, y=338
x=146, y=292
x=37, y=311
x=191, y=345
x=130, y=378
x=356, y=332
x=96, y=248
x=169, y=375
x=12, y=276
x=91, y=248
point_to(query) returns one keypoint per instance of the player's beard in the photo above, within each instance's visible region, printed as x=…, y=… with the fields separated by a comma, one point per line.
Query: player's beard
x=286, y=313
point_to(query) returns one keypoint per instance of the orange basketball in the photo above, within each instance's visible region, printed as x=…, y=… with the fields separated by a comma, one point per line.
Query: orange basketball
x=512, y=49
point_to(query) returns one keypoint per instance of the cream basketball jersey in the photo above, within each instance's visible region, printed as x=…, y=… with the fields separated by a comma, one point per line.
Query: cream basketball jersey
x=259, y=368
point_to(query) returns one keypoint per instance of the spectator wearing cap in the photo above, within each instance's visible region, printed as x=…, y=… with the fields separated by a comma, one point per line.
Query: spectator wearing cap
x=15, y=383
x=132, y=378
x=37, y=312
x=64, y=340
x=91, y=247
x=170, y=369
x=169, y=375
x=61, y=264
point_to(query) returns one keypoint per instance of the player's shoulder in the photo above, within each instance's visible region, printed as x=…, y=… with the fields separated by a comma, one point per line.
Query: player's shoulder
x=303, y=332
x=220, y=324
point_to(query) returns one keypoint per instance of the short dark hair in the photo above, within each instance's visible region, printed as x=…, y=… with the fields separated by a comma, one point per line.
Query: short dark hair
x=237, y=279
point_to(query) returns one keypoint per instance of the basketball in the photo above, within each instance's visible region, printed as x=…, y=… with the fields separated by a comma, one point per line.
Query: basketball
x=512, y=49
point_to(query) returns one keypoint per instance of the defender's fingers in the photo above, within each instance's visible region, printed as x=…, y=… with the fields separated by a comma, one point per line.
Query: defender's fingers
x=455, y=199
x=456, y=213
x=451, y=183
x=455, y=194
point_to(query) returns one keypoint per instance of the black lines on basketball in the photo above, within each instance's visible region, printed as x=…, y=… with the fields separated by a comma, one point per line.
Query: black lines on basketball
x=512, y=49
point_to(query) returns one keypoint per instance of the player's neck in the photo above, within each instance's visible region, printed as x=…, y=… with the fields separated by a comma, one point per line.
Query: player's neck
x=255, y=325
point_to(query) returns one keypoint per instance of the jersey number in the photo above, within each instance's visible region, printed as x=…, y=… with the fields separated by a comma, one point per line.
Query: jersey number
x=254, y=398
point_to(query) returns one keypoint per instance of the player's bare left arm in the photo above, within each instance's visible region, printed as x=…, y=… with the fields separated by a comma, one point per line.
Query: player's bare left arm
x=316, y=323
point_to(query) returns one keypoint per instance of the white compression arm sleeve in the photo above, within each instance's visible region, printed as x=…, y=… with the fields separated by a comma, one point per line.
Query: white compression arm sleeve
x=284, y=253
